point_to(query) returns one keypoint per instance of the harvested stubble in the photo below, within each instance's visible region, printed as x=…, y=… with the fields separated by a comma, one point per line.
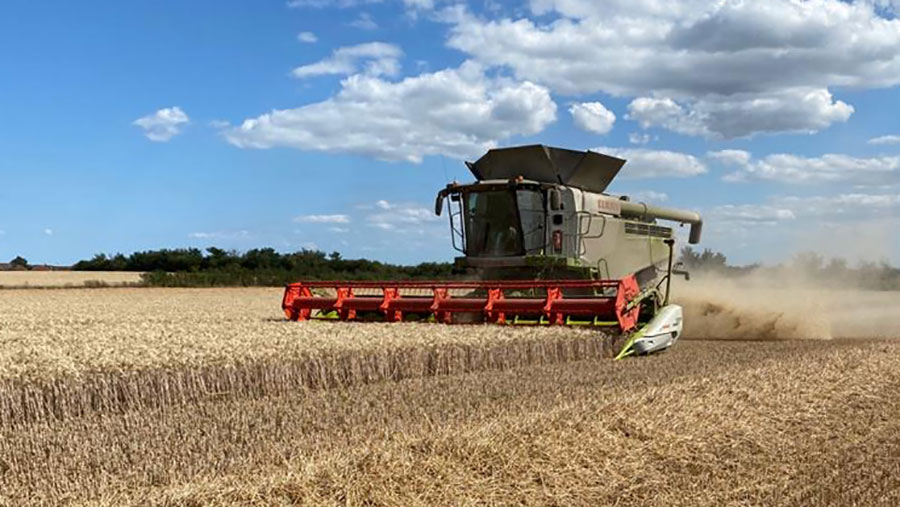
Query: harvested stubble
x=67, y=279
x=72, y=353
x=711, y=423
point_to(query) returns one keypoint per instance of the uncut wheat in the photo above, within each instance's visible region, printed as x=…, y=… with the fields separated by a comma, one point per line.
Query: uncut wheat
x=68, y=353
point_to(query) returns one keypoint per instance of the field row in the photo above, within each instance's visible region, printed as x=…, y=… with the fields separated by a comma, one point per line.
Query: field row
x=59, y=398
x=711, y=423
x=71, y=353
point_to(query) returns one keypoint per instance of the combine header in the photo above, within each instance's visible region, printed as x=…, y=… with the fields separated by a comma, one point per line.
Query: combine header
x=545, y=245
x=487, y=301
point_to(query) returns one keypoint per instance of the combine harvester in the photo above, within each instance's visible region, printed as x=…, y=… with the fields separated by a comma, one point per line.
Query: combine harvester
x=542, y=244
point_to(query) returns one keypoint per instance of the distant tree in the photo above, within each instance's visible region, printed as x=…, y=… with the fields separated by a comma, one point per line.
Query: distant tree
x=708, y=260
x=689, y=257
x=19, y=262
x=837, y=265
x=260, y=266
x=809, y=263
x=713, y=260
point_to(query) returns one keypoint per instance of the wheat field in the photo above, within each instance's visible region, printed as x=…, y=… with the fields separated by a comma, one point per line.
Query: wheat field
x=208, y=397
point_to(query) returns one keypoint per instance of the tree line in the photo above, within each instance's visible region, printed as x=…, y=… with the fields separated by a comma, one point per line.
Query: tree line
x=193, y=267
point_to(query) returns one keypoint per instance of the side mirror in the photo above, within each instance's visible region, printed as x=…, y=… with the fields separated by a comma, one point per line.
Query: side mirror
x=681, y=272
x=555, y=199
x=439, y=204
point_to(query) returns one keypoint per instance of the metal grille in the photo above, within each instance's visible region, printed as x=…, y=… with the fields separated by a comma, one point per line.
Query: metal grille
x=640, y=229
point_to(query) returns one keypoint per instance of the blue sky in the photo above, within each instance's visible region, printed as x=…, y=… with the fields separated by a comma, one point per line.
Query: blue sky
x=331, y=124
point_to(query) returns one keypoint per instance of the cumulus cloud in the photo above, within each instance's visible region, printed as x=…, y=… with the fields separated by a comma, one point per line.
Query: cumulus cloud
x=637, y=138
x=322, y=219
x=761, y=214
x=644, y=163
x=890, y=139
x=799, y=215
x=742, y=115
x=789, y=168
x=455, y=112
x=405, y=218
x=837, y=221
x=738, y=158
x=48, y=232
x=307, y=37
x=720, y=68
x=164, y=124
x=364, y=21
x=220, y=235
x=592, y=117
x=372, y=58
x=649, y=196
x=419, y=4
x=321, y=4
x=851, y=205
x=411, y=5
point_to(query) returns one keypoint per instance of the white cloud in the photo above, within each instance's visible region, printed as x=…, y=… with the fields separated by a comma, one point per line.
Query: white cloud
x=788, y=168
x=321, y=4
x=220, y=235
x=649, y=196
x=164, y=124
x=307, y=37
x=322, y=219
x=743, y=115
x=640, y=139
x=847, y=224
x=455, y=112
x=419, y=4
x=372, y=58
x=851, y=205
x=364, y=21
x=592, y=117
x=644, y=163
x=219, y=124
x=727, y=65
x=748, y=214
x=405, y=218
x=339, y=230
x=891, y=139
x=412, y=5
x=48, y=232
x=808, y=217
x=739, y=158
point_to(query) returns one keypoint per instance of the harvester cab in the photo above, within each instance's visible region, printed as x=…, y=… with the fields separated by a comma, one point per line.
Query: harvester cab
x=541, y=243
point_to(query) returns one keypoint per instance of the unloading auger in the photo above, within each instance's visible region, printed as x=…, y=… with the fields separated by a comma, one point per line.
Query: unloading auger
x=542, y=243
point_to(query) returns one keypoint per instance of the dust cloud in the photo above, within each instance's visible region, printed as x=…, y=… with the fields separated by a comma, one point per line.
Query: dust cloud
x=755, y=307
